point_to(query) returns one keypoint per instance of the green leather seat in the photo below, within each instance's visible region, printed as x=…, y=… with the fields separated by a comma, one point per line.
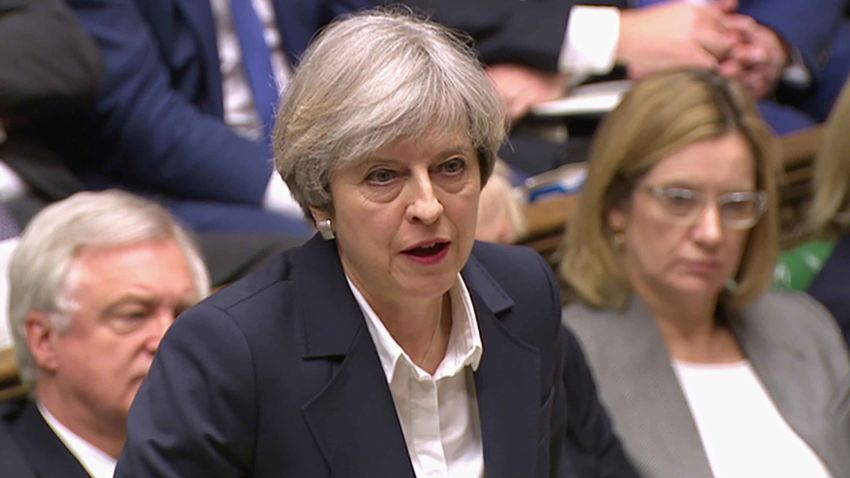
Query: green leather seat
x=797, y=267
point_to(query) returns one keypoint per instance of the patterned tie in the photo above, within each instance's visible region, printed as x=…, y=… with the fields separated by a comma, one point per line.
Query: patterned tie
x=256, y=60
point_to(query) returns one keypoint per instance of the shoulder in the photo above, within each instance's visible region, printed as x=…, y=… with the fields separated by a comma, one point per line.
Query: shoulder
x=274, y=275
x=244, y=309
x=592, y=324
x=790, y=313
x=518, y=286
x=510, y=264
x=501, y=255
x=516, y=272
x=797, y=322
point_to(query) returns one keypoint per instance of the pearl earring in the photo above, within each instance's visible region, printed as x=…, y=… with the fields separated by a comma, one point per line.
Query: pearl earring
x=325, y=229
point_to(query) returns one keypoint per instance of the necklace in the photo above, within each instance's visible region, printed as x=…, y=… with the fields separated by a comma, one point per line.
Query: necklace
x=444, y=313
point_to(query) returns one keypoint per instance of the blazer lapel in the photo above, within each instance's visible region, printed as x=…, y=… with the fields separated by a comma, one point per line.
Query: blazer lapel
x=45, y=453
x=353, y=419
x=794, y=383
x=640, y=376
x=507, y=383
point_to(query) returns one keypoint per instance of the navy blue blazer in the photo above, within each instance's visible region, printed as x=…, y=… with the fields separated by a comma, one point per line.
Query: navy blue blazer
x=28, y=446
x=810, y=26
x=158, y=124
x=278, y=376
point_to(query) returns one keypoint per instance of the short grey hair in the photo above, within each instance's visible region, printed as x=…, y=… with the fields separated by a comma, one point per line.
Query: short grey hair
x=370, y=79
x=41, y=266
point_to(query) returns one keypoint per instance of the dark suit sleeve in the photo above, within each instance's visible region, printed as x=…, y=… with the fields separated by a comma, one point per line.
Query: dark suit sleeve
x=48, y=64
x=592, y=448
x=809, y=26
x=148, y=136
x=527, y=32
x=195, y=414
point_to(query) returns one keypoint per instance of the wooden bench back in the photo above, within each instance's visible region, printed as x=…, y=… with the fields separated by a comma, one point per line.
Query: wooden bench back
x=547, y=218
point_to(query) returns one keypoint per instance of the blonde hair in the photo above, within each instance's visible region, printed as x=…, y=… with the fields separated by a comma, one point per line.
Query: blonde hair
x=830, y=207
x=659, y=116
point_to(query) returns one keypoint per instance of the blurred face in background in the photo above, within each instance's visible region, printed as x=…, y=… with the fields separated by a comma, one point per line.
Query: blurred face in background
x=124, y=299
x=686, y=224
x=405, y=217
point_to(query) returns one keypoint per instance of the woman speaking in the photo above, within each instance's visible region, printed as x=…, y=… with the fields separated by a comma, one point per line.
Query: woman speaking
x=391, y=345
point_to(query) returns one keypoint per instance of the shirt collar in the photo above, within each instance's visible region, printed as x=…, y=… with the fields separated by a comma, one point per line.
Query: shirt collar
x=96, y=462
x=464, y=348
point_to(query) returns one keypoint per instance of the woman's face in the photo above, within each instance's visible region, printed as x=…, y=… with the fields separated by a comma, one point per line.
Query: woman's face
x=405, y=218
x=680, y=231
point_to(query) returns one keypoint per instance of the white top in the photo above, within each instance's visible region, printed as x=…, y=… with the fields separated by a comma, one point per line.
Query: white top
x=96, y=462
x=741, y=430
x=239, y=111
x=439, y=413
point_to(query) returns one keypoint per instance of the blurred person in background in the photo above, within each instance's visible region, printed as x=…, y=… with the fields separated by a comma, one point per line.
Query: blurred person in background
x=535, y=50
x=669, y=254
x=96, y=281
x=188, y=102
x=829, y=218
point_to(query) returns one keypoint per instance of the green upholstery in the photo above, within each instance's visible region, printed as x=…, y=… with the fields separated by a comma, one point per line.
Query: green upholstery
x=797, y=267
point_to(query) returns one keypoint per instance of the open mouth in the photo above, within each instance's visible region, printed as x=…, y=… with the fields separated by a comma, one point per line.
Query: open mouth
x=428, y=250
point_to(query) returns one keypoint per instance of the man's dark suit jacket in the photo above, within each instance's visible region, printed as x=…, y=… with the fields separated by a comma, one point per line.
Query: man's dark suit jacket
x=28, y=446
x=532, y=32
x=278, y=376
x=158, y=126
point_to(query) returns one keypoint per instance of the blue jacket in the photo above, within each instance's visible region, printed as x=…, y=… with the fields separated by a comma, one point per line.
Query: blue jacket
x=158, y=124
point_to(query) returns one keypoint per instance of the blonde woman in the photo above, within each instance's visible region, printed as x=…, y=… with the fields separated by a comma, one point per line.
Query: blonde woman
x=830, y=215
x=704, y=373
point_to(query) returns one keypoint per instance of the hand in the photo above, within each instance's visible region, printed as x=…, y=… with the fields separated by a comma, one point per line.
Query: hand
x=521, y=87
x=757, y=61
x=675, y=35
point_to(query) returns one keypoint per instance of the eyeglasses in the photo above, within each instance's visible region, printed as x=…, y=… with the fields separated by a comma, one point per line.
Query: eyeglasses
x=737, y=210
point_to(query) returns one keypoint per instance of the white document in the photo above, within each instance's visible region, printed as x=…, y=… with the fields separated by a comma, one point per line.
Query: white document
x=594, y=98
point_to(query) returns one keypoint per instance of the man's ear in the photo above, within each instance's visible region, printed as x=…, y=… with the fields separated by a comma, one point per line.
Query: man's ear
x=41, y=339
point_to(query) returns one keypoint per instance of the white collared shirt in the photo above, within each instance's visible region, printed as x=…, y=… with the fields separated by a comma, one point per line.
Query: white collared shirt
x=96, y=462
x=438, y=414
